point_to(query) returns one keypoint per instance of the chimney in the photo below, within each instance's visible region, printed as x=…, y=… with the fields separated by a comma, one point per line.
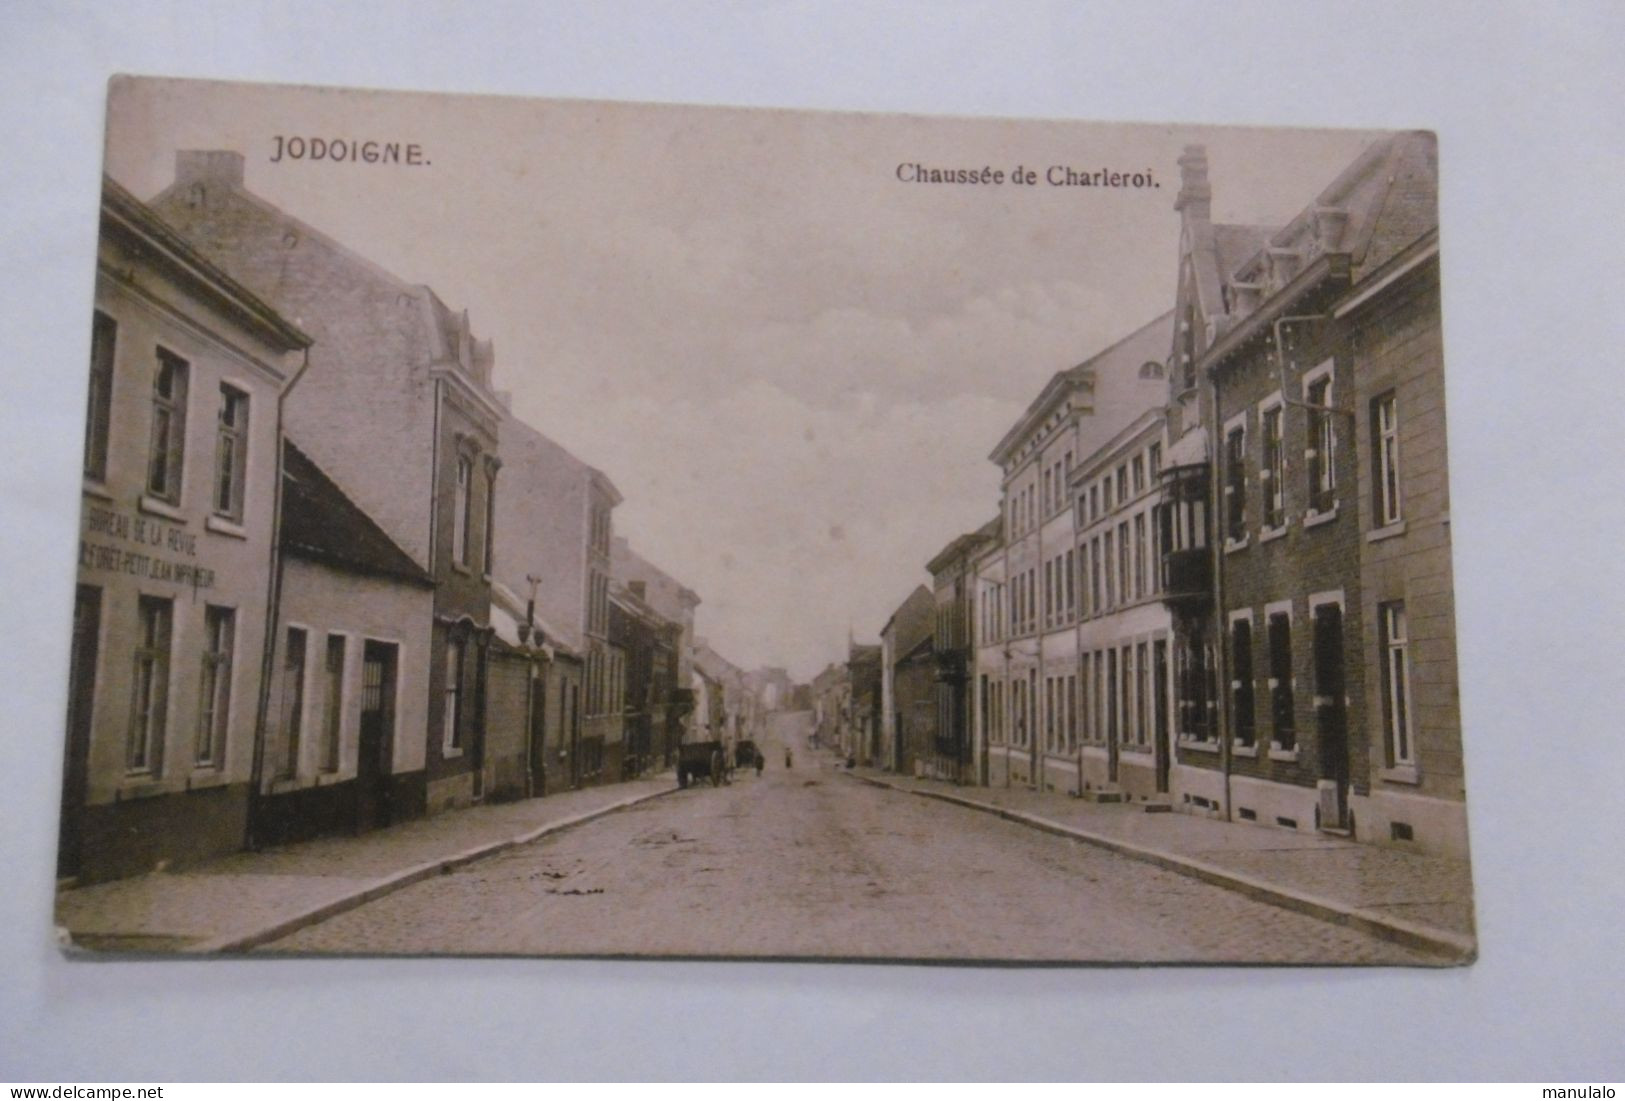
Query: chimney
x=209, y=166
x=1195, y=195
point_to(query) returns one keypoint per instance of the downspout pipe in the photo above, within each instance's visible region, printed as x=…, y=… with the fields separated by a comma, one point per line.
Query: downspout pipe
x=273, y=603
x=1221, y=641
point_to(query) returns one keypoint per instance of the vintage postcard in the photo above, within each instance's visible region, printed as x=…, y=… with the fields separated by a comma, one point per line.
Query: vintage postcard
x=517, y=527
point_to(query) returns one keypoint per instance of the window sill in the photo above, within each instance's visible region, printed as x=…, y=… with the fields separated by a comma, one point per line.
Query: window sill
x=1314, y=519
x=450, y=752
x=222, y=526
x=1231, y=546
x=1200, y=747
x=1267, y=535
x=1279, y=753
x=285, y=784
x=156, y=507
x=1401, y=774
x=460, y=568
x=1137, y=756
x=205, y=777
x=1377, y=535
x=1239, y=750
x=99, y=490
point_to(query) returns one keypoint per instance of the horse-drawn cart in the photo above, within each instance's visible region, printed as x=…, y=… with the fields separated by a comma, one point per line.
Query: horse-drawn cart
x=698, y=761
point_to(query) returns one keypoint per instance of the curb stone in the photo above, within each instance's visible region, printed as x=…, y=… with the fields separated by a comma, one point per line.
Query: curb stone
x=1451, y=948
x=395, y=881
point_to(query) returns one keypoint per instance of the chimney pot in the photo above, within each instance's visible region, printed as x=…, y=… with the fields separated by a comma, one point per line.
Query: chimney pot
x=209, y=166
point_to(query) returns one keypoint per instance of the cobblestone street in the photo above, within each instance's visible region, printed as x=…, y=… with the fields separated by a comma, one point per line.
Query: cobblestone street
x=804, y=861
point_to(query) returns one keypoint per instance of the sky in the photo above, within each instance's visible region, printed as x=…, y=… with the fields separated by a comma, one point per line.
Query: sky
x=792, y=363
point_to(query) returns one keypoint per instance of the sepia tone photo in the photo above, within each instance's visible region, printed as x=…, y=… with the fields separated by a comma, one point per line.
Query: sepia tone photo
x=566, y=528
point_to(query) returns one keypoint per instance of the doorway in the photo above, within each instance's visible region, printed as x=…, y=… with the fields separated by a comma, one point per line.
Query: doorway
x=1331, y=718
x=87, y=624
x=374, y=754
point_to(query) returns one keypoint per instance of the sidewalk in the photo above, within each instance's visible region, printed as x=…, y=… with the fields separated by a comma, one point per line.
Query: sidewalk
x=1423, y=901
x=249, y=898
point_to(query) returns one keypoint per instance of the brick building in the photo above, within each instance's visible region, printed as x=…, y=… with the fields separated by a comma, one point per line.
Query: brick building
x=676, y=604
x=553, y=546
x=1415, y=794
x=189, y=370
x=425, y=467
x=908, y=698
x=953, y=584
x=861, y=724
x=1291, y=549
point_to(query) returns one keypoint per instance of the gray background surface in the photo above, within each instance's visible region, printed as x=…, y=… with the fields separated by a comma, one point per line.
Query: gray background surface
x=1527, y=102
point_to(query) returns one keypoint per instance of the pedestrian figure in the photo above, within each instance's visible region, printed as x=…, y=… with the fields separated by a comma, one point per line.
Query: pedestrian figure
x=760, y=762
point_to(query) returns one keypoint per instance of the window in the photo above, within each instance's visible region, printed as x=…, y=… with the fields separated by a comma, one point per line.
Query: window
x=1396, y=685
x=168, y=451
x=1049, y=713
x=1071, y=711
x=1235, y=484
x=1141, y=671
x=456, y=659
x=1122, y=483
x=293, y=701
x=490, y=522
x=231, y=453
x=1071, y=584
x=1194, y=676
x=461, y=514
x=99, y=403
x=1385, y=457
x=332, y=703
x=149, y=702
x=1139, y=555
x=1094, y=501
x=1322, y=450
x=1124, y=553
x=1094, y=575
x=1106, y=568
x=1111, y=695
x=1154, y=459
x=1139, y=474
x=1241, y=686
x=1281, y=707
x=1272, y=473
x=1127, y=669
x=214, y=706
x=1086, y=719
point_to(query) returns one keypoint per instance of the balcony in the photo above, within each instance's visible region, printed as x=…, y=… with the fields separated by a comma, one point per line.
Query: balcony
x=1187, y=578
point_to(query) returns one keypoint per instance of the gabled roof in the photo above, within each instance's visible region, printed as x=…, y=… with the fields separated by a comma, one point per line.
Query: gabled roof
x=912, y=622
x=161, y=240
x=322, y=524
x=1386, y=199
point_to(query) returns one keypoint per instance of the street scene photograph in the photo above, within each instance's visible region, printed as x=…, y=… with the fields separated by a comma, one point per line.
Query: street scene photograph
x=568, y=528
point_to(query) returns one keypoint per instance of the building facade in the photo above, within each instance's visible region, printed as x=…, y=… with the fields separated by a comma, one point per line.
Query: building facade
x=1038, y=668
x=348, y=671
x=1315, y=715
x=1122, y=733
x=189, y=370
x=424, y=469
x=954, y=583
